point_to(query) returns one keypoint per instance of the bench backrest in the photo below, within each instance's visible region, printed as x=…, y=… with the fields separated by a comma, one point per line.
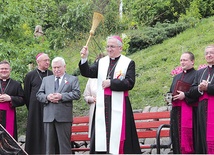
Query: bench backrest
x=146, y=124
x=80, y=129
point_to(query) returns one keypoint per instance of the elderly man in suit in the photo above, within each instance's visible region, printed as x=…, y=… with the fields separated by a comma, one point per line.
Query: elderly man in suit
x=57, y=92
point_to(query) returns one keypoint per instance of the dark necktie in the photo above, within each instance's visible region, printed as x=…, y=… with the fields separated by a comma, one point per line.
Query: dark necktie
x=57, y=83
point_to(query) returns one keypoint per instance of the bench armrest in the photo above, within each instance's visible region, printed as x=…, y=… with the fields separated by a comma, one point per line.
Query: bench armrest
x=158, y=138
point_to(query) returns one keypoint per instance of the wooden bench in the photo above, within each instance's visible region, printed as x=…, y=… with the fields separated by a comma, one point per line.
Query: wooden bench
x=149, y=125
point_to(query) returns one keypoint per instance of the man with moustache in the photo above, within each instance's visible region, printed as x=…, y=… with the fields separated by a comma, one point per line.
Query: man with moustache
x=57, y=93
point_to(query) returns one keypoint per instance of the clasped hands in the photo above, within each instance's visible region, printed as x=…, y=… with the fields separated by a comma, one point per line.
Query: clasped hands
x=203, y=86
x=4, y=98
x=92, y=99
x=55, y=97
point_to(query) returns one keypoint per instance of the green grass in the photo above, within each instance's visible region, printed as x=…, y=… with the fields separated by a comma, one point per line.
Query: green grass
x=155, y=63
x=153, y=66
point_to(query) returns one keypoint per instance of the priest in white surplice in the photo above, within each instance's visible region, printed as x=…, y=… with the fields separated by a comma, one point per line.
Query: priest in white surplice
x=113, y=127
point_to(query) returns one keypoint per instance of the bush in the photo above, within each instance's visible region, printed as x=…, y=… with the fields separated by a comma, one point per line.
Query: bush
x=147, y=36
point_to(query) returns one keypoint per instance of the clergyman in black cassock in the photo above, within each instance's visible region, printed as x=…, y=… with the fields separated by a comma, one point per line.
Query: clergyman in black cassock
x=203, y=91
x=35, y=130
x=11, y=96
x=113, y=127
x=183, y=113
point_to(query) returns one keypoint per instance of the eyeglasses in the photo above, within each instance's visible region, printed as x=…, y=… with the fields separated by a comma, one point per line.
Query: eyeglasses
x=46, y=60
x=111, y=46
x=209, y=53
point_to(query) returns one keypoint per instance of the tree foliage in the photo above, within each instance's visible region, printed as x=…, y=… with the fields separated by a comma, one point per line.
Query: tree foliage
x=64, y=21
x=149, y=12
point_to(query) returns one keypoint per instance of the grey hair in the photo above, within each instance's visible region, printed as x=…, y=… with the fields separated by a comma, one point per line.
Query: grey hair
x=119, y=43
x=58, y=59
x=209, y=46
x=41, y=56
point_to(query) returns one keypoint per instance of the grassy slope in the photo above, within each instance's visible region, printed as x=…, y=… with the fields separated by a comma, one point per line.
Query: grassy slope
x=153, y=67
x=154, y=64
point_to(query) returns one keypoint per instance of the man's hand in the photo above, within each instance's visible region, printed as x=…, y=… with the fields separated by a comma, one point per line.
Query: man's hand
x=55, y=97
x=106, y=83
x=180, y=96
x=4, y=98
x=84, y=52
x=203, y=86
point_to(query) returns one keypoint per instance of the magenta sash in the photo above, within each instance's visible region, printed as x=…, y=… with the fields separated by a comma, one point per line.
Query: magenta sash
x=108, y=91
x=10, y=116
x=186, y=132
x=210, y=122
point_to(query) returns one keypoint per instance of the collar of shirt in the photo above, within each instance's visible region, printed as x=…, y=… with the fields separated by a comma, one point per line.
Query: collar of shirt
x=186, y=71
x=60, y=78
x=4, y=79
x=116, y=58
x=210, y=66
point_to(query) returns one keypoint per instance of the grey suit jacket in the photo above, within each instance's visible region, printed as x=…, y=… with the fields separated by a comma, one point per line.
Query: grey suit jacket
x=61, y=111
